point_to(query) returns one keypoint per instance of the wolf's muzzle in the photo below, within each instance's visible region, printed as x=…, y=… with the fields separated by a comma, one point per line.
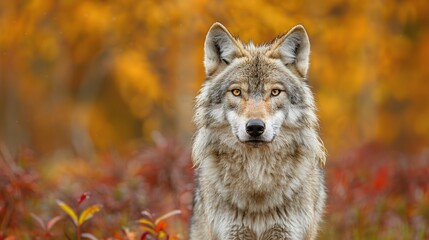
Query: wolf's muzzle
x=255, y=127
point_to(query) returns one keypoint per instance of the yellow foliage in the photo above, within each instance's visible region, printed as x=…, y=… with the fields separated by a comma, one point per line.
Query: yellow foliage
x=135, y=60
x=89, y=213
x=67, y=209
x=137, y=83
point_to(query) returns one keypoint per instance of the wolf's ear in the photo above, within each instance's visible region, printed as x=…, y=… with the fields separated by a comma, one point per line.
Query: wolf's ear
x=294, y=49
x=219, y=48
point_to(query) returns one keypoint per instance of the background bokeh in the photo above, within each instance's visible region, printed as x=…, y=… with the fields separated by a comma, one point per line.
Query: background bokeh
x=98, y=96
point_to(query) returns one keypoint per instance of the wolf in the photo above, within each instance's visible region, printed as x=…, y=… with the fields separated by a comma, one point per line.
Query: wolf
x=258, y=158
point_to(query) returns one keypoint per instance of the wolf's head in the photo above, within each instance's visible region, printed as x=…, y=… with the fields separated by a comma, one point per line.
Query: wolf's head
x=256, y=95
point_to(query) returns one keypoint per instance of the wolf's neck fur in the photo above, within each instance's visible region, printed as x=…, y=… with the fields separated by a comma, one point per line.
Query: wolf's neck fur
x=259, y=179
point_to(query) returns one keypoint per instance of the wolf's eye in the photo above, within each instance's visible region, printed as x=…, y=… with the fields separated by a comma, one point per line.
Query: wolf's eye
x=236, y=92
x=275, y=92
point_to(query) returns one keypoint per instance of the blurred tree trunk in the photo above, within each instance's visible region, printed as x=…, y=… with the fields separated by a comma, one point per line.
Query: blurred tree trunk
x=186, y=76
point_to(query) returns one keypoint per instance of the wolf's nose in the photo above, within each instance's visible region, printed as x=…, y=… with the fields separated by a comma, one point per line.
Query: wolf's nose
x=255, y=127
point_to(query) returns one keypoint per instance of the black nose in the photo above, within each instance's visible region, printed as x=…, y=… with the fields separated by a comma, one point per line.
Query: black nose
x=255, y=127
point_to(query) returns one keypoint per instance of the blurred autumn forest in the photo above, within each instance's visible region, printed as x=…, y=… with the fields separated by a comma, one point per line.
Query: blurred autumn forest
x=98, y=96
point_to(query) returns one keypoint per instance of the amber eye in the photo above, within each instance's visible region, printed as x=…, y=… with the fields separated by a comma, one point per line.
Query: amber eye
x=275, y=92
x=236, y=92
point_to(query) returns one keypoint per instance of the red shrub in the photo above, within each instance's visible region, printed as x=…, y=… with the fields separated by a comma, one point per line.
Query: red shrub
x=375, y=191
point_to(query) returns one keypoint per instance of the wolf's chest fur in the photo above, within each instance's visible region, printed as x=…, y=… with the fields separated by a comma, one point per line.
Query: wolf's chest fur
x=251, y=193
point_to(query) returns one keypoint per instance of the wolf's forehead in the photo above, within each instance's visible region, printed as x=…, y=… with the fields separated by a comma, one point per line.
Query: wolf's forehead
x=258, y=69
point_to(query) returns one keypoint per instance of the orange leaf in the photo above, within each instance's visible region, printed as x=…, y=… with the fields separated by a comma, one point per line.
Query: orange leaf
x=160, y=226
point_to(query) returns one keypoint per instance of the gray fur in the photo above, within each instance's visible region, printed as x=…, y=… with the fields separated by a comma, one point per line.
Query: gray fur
x=271, y=189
